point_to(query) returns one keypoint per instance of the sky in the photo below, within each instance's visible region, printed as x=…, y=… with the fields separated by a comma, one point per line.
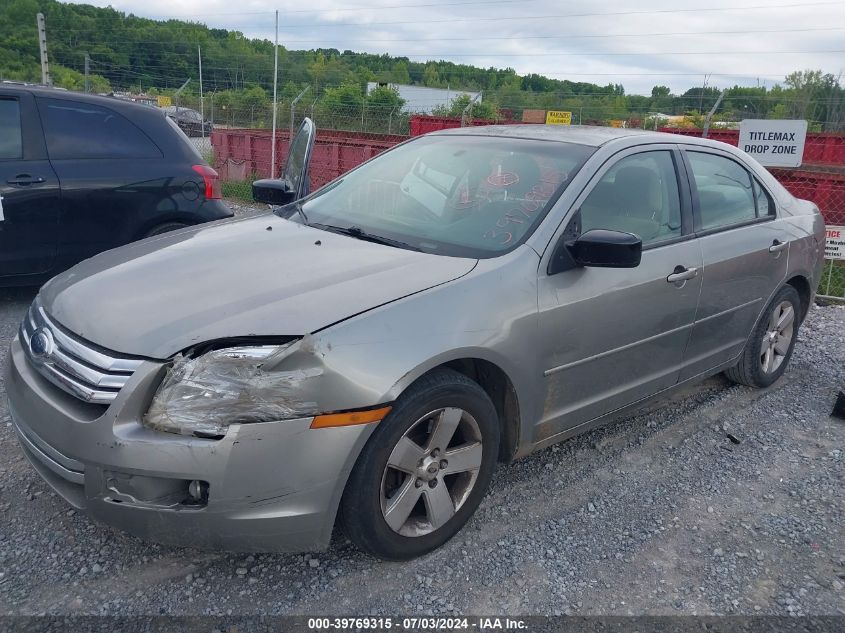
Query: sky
x=638, y=44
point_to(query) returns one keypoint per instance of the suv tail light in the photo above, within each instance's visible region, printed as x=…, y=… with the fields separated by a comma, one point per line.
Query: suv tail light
x=211, y=180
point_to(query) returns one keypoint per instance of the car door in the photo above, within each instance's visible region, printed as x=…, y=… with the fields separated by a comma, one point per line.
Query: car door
x=114, y=178
x=744, y=257
x=29, y=191
x=610, y=337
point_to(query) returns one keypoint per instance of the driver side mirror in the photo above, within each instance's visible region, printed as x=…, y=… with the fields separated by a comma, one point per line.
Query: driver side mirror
x=597, y=248
x=273, y=191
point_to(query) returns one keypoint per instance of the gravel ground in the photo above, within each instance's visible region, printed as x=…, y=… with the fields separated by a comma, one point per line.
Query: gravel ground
x=660, y=513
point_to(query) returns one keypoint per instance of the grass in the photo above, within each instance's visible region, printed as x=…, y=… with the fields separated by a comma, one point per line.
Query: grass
x=237, y=190
x=834, y=275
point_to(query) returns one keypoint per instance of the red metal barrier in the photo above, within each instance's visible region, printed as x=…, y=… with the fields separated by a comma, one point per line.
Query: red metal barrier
x=244, y=154
x=825, y=189
x=820, y=148
x=425, y=123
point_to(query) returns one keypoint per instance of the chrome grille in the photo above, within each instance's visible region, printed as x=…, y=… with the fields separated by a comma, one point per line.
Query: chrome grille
x=72, y=364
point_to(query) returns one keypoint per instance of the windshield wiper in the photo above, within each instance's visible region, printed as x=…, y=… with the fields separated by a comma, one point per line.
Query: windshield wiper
x=359, y=233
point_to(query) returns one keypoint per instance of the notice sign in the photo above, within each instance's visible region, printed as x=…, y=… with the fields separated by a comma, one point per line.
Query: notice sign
x=834, y=245
x=774, y=143
x=555, y=117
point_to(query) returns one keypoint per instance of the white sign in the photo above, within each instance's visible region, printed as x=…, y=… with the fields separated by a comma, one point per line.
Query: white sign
x=834, y=246
x=774, y=143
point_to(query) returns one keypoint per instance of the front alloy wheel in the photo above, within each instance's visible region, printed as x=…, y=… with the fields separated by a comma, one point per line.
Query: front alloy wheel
x=425, y=468
x=431, y=471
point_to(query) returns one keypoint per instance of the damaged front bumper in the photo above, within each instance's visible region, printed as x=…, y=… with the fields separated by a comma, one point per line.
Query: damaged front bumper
x=268, y=486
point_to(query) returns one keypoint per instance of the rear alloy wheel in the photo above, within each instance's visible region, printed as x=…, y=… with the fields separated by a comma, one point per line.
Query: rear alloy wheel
x=777, y=339
x=770, y=345
x=424, y=470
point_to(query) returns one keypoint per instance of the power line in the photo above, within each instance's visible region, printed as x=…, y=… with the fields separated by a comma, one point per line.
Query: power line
x=552, y=16
x=584, y=36
x=505, y=38
x=414, y=72
x=431, y=56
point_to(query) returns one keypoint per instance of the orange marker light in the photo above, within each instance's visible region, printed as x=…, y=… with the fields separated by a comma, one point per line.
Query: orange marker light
x=350, y=418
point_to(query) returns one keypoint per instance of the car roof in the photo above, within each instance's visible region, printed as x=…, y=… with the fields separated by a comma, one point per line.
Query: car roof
x=594, y=136
x=53, y=92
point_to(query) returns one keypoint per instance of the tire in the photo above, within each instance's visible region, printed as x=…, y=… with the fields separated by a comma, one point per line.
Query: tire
x=755, y=367
x=165, y=228
x=377, y=495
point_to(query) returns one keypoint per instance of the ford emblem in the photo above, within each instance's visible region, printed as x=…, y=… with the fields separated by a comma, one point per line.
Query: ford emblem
x=41, y=343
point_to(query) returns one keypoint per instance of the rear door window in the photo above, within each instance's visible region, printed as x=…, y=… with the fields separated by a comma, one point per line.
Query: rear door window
x=765, y=204
x=82, y=130
x=11, y=138
x=725, y=194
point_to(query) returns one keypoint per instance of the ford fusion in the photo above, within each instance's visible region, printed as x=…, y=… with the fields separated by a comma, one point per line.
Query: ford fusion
x=366, y=354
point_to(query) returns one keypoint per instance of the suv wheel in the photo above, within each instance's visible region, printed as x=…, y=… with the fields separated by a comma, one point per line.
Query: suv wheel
x=425, y=469
x=165, y=228
x=770, y=345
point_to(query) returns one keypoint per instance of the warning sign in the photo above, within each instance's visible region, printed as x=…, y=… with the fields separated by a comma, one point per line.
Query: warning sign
x=556, y=117
x=164, y=101
x=775, y=143
x=834, y=246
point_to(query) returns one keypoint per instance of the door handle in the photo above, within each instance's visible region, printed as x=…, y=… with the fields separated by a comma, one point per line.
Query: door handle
x=25, y=180
x=682, y=274
x=777, y=246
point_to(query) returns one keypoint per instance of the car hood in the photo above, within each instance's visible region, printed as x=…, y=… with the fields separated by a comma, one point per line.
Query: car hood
x=258, y=276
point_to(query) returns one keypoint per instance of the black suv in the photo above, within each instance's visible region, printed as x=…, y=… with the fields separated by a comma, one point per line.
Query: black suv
x=80, y=174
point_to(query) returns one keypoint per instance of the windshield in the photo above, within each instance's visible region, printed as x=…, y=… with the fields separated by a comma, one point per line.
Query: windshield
x=466, y=196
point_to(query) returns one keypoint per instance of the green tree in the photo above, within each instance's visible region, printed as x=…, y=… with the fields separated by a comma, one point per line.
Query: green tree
x=480, y=110
x=384, y=110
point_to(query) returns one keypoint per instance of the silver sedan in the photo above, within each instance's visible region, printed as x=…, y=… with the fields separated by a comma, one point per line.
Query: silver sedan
x=368, y=352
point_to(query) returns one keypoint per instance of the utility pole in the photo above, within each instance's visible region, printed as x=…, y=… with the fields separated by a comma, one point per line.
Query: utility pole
x=42, y=44
x=275, y=83
x=202, y=110
x=701, y=94
x=87, y=72
x=710, y=114
x=179, y=91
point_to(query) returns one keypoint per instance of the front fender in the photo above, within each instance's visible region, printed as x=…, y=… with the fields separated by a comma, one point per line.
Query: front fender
x=489, y=314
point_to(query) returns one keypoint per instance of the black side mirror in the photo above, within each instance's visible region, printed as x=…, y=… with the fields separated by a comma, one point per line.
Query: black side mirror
x=273, y=191
x=598, y=248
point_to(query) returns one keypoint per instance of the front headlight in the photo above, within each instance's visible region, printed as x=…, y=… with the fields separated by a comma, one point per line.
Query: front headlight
x=202, y=396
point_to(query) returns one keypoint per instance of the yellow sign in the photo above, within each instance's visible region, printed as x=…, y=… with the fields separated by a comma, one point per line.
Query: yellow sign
x=164, y=101
x=554, y=117
x=617, y=123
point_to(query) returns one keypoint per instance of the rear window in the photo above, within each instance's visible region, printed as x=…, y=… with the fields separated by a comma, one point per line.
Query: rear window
x=11, y=142
x=186, y=142
x=82, y=130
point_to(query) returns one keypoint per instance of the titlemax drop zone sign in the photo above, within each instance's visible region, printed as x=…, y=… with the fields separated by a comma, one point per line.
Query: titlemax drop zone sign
x=775, y=143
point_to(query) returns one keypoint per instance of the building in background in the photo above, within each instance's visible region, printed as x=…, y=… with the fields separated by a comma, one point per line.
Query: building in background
x=423, y=100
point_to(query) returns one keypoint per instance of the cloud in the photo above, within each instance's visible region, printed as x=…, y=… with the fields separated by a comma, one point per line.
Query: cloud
x=637, y=45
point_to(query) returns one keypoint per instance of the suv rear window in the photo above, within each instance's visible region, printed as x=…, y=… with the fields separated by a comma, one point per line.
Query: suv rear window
x=82, y=130
x=183, y=138
x=11, y=143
